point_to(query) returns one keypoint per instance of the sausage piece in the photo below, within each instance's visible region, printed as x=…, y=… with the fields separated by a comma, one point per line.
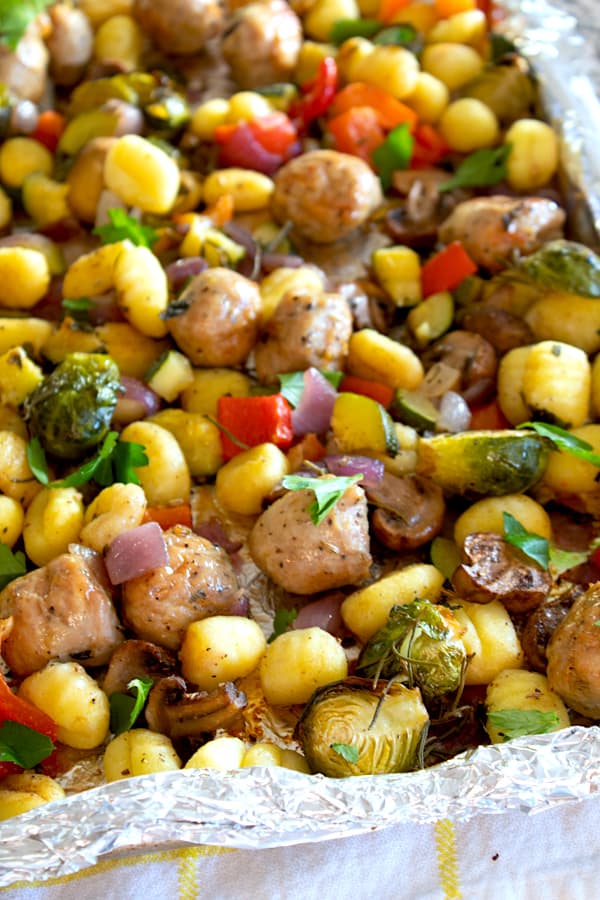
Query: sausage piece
x=574, y=655
x=494, y=229
x=60, y=611
x=304, y=331
x=181, y=27
x=325, y=194
x=198, y=582
x=305, y=558
x=543, y=622
x=215, y=319
x=262, y=43
x=409, y=510
x=493, y=570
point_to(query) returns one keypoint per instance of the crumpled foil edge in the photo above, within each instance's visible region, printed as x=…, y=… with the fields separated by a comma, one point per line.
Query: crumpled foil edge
x=268, y=807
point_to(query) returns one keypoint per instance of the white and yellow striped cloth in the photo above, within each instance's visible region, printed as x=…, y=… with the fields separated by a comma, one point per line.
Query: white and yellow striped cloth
x=514, y=856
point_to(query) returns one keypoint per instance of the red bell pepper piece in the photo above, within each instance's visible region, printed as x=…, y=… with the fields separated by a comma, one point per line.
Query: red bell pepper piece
x=253, y=421
x=167, y=516
x=317, y=96
x=446, y=270
x=49, y=128
x=429, y=147
x=390, y=111
x=487, y=417
x=262, y=144
x=357, y=131
x=16, y=709
x=374, y=389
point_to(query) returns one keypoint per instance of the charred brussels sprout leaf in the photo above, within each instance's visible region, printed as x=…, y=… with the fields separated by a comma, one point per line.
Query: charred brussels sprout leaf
x=420, y=645
x=564, y=266
x=350, y=727
x=71, y=409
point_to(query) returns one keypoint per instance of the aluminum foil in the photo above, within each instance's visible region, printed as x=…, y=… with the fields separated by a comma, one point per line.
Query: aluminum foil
x=258, y=808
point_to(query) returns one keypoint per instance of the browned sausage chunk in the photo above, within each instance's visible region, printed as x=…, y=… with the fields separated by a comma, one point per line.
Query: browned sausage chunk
x=305, y=558
x=493, y=229
x=180, y=26
x=410, y=511
x=304, y=331
x=198, y=582
x=493, y=570
x=543, y=622
x=215, y=320
x=574, y=655
x=325, y=194
x=60, y=611
x=262, y=43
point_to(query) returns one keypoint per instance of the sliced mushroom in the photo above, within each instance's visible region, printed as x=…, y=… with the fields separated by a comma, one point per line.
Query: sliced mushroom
x=173, y=711
x=469, y=353
x=544, y=620
x=423, y=207
x=503, y=329
x=137, y=659
x=492, y=569
x=409, y=510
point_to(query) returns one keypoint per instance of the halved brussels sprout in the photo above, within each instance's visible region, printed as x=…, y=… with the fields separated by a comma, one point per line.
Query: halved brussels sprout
x=565, y=266
x=350, y=727
x=421, y=645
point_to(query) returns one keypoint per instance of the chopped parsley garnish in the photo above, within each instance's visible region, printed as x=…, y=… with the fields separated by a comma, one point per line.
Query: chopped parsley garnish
x=23, y=745
x=15, y=18
x=125, y=708
x=564, y=440
x=282, y=620
x=115, y=462
x=487, y=166
x=124, y=227
x=327, y=491
x=395, y=153
x=532, y=545
x=12, y=565
x=346, y=751
x=514, y=723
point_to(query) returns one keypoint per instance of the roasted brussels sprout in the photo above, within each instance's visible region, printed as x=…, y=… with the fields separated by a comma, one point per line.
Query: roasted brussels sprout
x=565, y=266
x=350, y=727
x=421, y=646
x=71, y=409
x=507, y=88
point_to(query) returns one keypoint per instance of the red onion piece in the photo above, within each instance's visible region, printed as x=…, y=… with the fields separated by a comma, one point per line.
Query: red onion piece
x=324, y=613
x=179, y=272
x=136, y=551
x=344, y=464
x=137, y=402
x=271, y=261
x=314, y=410
x=214, y=532
x=240, y=606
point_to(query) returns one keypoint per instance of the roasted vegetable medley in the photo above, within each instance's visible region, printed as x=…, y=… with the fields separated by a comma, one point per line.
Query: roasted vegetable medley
x=299, y=393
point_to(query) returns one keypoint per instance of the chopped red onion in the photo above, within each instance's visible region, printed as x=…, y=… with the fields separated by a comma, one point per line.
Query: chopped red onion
x=179, y=272
x=314, y=410
x=135, y=552
x=137, y=402
x=344, y=464
x=324, y=613
x=455, y=414
x=214, y=532
x=271, y=261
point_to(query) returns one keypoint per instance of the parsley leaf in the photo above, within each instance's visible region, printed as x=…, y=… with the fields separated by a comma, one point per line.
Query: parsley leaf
x=486, y=166
x=23, y=745
x=36, y=458
x=125, y=708
x=282, y=620
x=563, y=560
x=532, y=545
x=393, y=154
x=12, y=565
x=16, y=17
x=123, y=227
x=327, y=491
x=346, y=751
x=78, y=307
x=292, y=384
x=566, y=441
x=515, y=723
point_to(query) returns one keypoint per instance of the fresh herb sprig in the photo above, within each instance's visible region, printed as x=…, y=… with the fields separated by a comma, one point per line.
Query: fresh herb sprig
x=115, y=462
x=282, y=620
x=126, y=708
x=327, y=490
x=15, y=18
x=532, y=545
x=12, y=565
x=347, y=751
x=292, y=384
x=23, y=745
x=514, y=723
x=564, y=440
x=483, y=167
x=124, y=227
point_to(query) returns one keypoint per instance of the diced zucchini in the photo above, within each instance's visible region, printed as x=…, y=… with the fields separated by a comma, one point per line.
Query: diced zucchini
x=414, y=409
x=432, y=318
x=360, y=423
x=477, y=463
x=170, y=375
x=85, y=126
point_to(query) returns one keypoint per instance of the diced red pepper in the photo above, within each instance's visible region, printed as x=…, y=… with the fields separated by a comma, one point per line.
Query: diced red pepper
x=308, y=447
x=388, y=9
x=357, y=131
x=429, y=147
x=262, y=144
x=317, y=95
x=374, y=389
x=253, y=421
x=167, y=516
x=49, y=128
x=16, y=709
x=446, y=270
x=390, y=111
x=490, y=416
